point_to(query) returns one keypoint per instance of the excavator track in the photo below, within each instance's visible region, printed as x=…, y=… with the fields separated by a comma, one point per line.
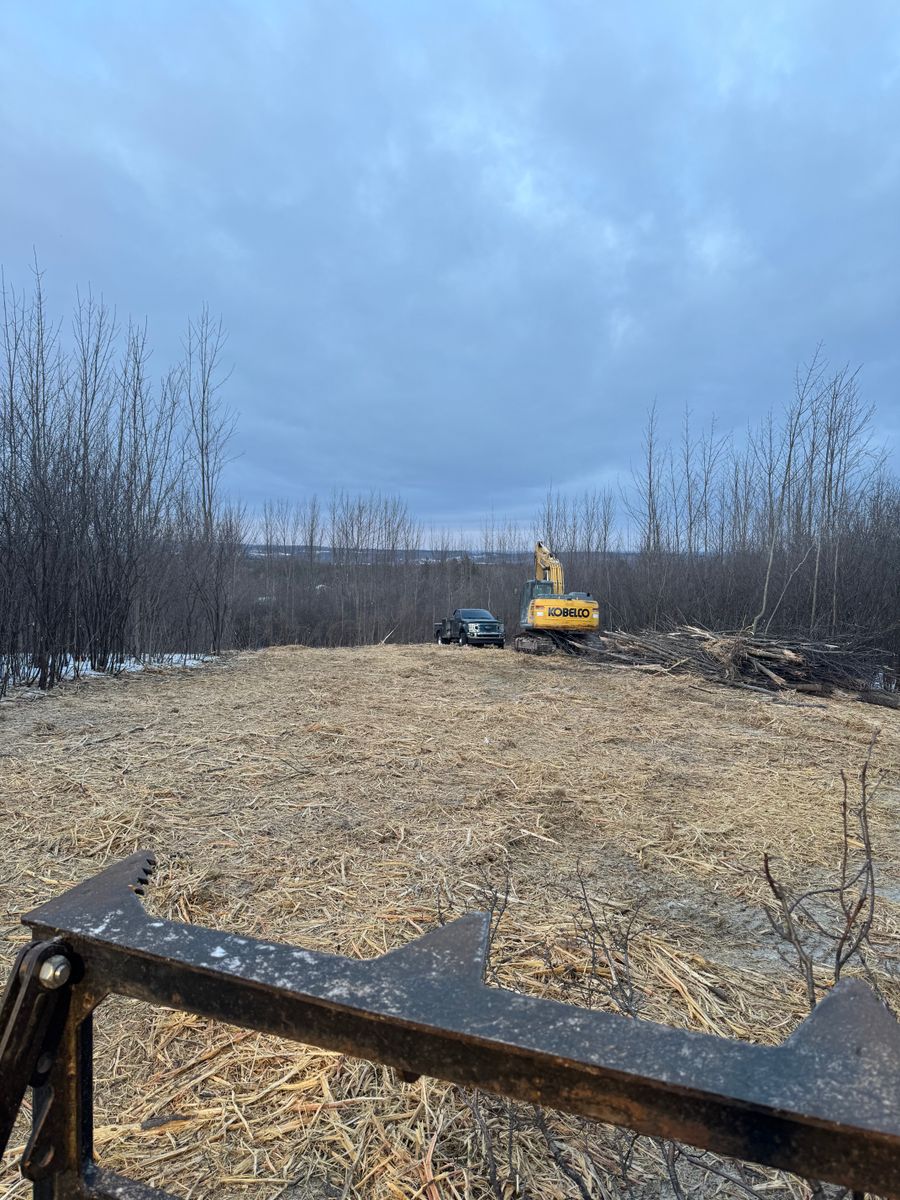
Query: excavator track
x=550, y=641
x=534, y=643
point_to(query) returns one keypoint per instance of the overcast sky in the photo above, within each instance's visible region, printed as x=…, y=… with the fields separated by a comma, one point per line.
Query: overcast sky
x=460, y=247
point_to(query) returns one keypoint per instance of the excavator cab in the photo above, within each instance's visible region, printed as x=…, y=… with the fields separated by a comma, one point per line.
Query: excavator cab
x=533, y=590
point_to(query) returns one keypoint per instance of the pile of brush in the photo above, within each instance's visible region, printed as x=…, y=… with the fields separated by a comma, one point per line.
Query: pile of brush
x=740, y=659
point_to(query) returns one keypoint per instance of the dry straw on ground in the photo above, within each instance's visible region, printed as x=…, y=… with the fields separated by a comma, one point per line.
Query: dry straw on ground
x=346, y=800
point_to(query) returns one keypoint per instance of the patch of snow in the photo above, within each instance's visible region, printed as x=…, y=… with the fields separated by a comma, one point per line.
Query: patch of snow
x=76, y=669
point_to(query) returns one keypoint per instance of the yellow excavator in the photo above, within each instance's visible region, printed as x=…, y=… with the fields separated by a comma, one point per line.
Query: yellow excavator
x=550, y=617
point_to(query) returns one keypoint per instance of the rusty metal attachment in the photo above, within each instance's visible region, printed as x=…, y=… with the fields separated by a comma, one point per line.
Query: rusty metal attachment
x=825, y=1104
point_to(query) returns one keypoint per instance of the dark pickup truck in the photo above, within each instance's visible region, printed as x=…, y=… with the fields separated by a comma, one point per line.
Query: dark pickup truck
x=470, y=627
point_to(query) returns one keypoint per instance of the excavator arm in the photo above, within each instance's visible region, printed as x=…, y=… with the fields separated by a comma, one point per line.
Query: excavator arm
x=547, y=566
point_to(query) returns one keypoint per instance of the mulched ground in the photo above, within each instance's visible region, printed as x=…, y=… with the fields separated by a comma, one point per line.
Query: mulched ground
x=347, y=800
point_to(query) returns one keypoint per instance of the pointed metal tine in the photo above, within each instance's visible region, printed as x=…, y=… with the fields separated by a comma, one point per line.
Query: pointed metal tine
x=457, y=951
x=848, y=1019
x=117, y=884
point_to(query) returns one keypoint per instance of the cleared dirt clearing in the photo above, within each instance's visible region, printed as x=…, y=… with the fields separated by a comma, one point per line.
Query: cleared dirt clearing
x=343, y=799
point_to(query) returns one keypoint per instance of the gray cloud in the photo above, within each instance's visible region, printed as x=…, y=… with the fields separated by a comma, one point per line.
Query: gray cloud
x=461, y=248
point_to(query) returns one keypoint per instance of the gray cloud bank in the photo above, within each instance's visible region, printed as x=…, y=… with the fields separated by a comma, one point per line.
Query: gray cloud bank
x=460, y=248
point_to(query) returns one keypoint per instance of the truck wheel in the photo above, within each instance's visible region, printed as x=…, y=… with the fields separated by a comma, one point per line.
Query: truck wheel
x=463, y=640
x=501, y=645
x=438, y=638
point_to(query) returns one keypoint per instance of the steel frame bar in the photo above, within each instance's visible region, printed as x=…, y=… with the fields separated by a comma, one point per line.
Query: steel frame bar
x=825, y=1104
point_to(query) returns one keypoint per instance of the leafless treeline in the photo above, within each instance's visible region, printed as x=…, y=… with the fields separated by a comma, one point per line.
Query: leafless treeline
x=794, y=530
x=113, y=541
